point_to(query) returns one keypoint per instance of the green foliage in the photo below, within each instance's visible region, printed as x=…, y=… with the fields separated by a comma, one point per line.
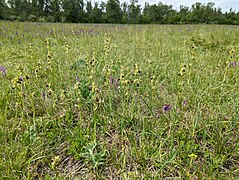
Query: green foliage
x=32, y=18
x=94, y=154
x=79, y=64
x=114, y=11
x=84, y=89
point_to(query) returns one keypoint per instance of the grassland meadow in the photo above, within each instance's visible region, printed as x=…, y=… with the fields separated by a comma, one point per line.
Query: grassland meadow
x=118, y=101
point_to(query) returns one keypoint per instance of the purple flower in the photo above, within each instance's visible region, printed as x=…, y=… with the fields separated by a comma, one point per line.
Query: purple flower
x=43, y=95
x=166, y=108
x=185, y=102
x=20, y=78
x=3, y=70
x=111, y=80
x=77, y=78
x=114, y=82
x=232, y=64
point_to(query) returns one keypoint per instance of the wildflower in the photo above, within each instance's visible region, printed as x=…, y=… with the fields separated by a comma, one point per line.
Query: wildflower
x=3, y=70
x=114, y=82
x=111, y=81
x=77, y=79
x=152, y=78
x=231, y=52
x=232, y=64
x=185, y=102
x=43, y=95
x=167, y=107
x=192, y=155
x=20, y=80
x=50, y=92
x=55, y=161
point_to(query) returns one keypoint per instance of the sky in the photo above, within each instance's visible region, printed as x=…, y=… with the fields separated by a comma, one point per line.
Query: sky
x=224, y=4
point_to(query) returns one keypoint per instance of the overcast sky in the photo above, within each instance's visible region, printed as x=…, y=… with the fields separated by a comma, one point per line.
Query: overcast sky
x=224, y=4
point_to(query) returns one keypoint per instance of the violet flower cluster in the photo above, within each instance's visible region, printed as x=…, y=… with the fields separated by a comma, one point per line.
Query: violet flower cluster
x=3, y=70
x=232, y=64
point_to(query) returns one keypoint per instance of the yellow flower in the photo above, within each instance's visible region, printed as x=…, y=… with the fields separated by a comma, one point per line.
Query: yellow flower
x=55, y=161
x=192, y=155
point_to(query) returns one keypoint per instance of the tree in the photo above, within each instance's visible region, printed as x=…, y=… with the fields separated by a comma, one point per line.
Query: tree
x=55, y=9
x=134, y=12
x=196, y=15
x=3, y=9
x=97, y=14
x=183, y=13
x=231, y=17
x=89, y=11
x=74, y=11
x=20, y=9
x=125, y=12
x=113, y=11
x=146, y=18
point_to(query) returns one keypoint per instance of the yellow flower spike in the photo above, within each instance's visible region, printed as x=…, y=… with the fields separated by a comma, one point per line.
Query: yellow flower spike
x=55, y=161
x=105, y=47
x=152, y=78
x=50, y=92
x=62, y=96
x=33, y=94
x=183, y=70
x=47, y=42
x=192, y=155
x=135, y=81
x=181, y=83
x=231, y=51
x=76, y=86
x=193, y=46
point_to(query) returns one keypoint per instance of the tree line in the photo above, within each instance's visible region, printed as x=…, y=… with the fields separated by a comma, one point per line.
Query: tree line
x=112, y=11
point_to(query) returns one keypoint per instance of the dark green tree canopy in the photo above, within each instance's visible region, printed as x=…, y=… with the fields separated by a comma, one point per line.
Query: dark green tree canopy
x=114, y=11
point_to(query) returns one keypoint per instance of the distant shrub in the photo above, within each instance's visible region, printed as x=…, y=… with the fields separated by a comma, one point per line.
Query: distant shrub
x=41, y=19
x=32, y=18
x=12, y=18
x=50, y=19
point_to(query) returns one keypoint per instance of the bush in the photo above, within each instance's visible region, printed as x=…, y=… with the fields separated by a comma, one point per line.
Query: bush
x=32, y=18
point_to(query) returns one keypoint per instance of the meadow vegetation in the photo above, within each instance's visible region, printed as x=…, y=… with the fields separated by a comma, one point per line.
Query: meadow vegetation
x=118, y=101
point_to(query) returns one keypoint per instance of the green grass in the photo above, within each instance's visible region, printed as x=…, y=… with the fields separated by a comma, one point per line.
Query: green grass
x=87, y=101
